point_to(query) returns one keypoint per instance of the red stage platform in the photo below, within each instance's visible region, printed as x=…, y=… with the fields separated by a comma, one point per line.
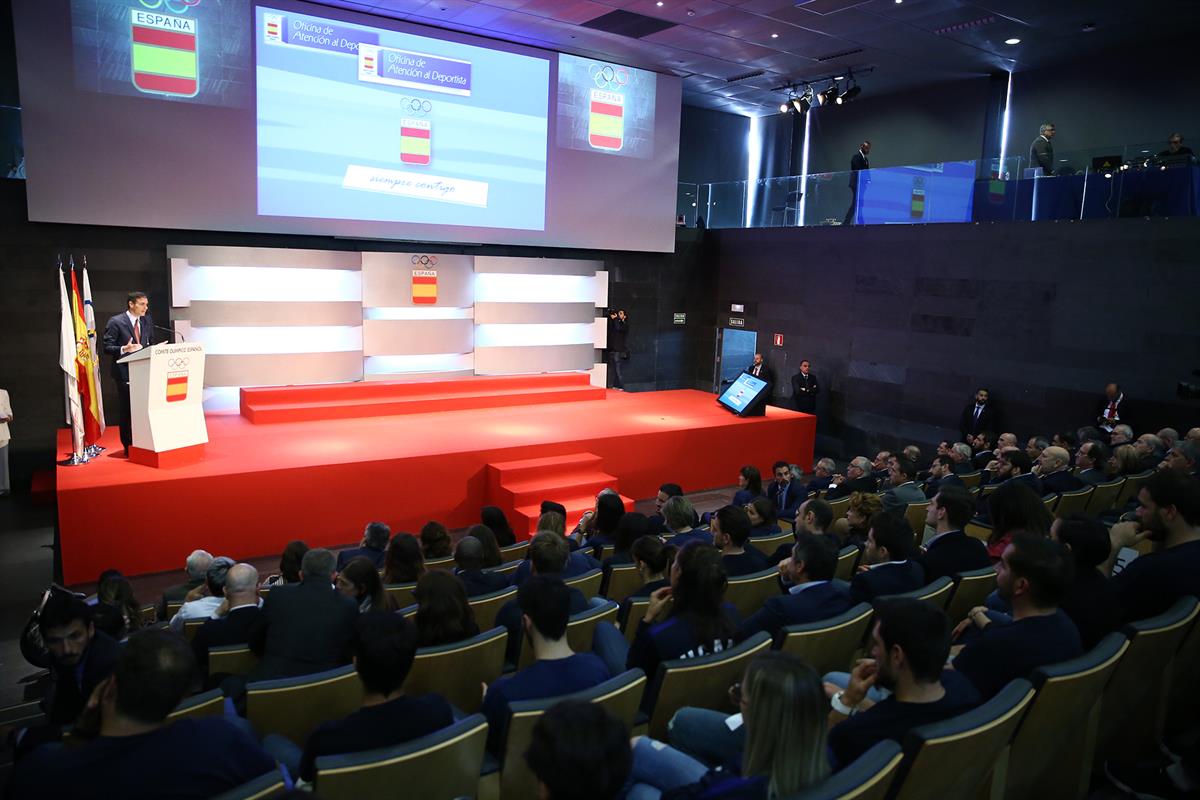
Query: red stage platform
x=260, y=486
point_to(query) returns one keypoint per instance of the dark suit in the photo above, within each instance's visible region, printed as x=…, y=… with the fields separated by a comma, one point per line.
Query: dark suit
x=1041, y=154
x=1093, y=476
x=887, y=579
x=899, y=497
x=118, y=332
x=793, y=494
x=804, y=392
x=304, y=628
x=233, y=628
x=968, y=425
x=764, y=373
x=934, y=485
x=1030, y=480
x=477, y=582
x=1061, y=481
x=858, y=162
x=863, y=483
x=70, y=691
x=1124, y=412
x=951, y=553
x=825, y=600
x=349, y=554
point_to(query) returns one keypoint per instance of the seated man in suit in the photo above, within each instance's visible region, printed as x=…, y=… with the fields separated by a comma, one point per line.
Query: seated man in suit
x=941, y=475
x=135, y=752
x=373, y=546
x=197, y=565
x=468, y=559
x=888, y=565
x=982, y=448
x=1055, y=473
x=384, y=648
x=730, y=528
x=1184, y=458
x=858, y=478
x=904, y=488
x=81, y=657
x=548, y=555
x=880, y=465
x=963, y=457
x=202, y=602
x=1150, y=451
x=236, y=616
x=1091, y=458
x=950, y=551
x=812, y=597
x=545, y=605
x=304, y=627
x=822, y=476
x=786, y=495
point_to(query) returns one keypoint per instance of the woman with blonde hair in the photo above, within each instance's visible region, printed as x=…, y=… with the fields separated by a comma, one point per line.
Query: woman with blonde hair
x=1124, y=461
x=854, y=527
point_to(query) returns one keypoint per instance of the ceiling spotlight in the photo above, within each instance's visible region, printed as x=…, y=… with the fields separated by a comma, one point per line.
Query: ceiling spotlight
x=659, y=3
x=898, y=2
x=839, y=77
x=774, y=35
x=1013, y=40
x=828, y=96
x=800, y=104
x=784, y=108
x=851, y=93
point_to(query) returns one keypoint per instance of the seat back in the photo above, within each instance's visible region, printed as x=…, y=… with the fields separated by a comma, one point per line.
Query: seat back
x=978, y=530
x=767, y=545
x=264, y=786
x=231, y=659
x=971, y=479
x=1183, y=702
x=988, y=489
x=937, y=593
x=515, y=552
x=1050, y=501
x=848, y=558
x=702, y=682
x=973, y=742
x=581, y=628
x=204, y=704
x=1130, y=715
x=487, y=606
x=1075, y=502
x=1131, y=487
x=401, y=594
x=292, y=707
x=588, y=582
x=441, y=766
x=149, y=614
x=915, y=514
x=623, y=580
x=970, y=590
x=747, y=593
x=442, y=563
x=456, y=670
x=1103, y=496
x=173, y=609
x=829, y=645
x=868, y=777
x=1051, y=753
x=839, y=506
x=190, y=627
x=619, y=696
x=637, y=610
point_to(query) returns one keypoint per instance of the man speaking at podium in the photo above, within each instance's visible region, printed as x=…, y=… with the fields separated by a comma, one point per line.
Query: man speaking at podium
x=124, y=334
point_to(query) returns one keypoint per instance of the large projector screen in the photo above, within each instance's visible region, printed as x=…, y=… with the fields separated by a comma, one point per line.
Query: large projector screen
x=290, y=117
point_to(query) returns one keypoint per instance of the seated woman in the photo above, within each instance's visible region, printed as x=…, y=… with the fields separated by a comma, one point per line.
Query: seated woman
x=854, y=527
x=1124, y=461
x=435, y=541
x=1015, y=507
x=289, y=564
x=653, y=560
x=749, y=482
x=784, y=712
x=494, y=518
x=609, y=509
x=117, y=612
x=403, y=562
x=360, y=582
x=491, y=548
x=763, y=517
x=443, y=614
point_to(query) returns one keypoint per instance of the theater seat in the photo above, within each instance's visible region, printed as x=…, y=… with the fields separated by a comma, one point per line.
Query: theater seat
x=847, y=560
x=442, y=563
x=767, y=545
x=868, y=777
x=401, y=594
x=622, y=581
x=829, y=645
x=839, y=506
x=515, y=552
x=487, y=606
x=971, y=479
x=915, y=516
x=1183, y=702
x=747, y=593
x=441, y=766
x=938, y=593
x=1103, y=496
x=204, y=704
x=970, y=589
x=588, y=582
x=231, y=659
x=264, y=786
x=637, y=610
x=292, y=707
x=1131, y=487
x=190, y=627
x=1075, y=502
x=455, y=671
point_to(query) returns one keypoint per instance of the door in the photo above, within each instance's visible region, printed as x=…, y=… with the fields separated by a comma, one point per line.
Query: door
x=736, y=349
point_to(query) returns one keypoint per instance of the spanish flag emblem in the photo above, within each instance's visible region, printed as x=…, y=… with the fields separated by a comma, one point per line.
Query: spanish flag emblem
x=177, y=386
x=424, y=286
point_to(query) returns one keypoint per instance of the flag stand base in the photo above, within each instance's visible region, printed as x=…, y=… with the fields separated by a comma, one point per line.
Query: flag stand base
x=179, y=457
x=76, y=460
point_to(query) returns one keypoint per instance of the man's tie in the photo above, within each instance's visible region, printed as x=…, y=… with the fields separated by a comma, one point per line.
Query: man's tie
x=137, y=331
x=783, y=497
x=978, y=409
x=1111, y=413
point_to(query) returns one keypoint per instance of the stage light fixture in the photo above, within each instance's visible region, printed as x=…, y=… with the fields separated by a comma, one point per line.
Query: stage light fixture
x=851, y=93
x=830, y=95
x=1013, y=40
x=784, y=108
x=800, y=105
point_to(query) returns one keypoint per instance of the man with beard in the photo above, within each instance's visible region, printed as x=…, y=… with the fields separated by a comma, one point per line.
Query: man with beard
x=1168, y=515
x=909, y=646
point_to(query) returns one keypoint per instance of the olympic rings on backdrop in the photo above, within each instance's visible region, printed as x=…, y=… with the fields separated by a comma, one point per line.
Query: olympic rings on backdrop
x=416, y=106
x=607, y=76
x=173, y=6
x=176, y=363
x=425, y=261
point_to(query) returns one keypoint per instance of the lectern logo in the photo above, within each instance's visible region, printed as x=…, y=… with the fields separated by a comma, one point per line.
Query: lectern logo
x=177, y=383
x=424, y=286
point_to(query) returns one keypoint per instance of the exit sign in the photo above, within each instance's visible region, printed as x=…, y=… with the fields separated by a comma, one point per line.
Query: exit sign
x=779, y=340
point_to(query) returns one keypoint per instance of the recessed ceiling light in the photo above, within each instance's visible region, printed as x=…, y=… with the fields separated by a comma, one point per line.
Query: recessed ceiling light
x=839, y=77
x=774, y=35
x=659, y=4
x=898, y=2
x=1013, y=40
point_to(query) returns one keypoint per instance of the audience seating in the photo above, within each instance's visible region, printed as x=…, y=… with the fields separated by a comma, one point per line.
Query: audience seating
x=971, y=479
x=204, y=704
x=173, y=609
x=1103, y=496
x=1133, y=706
x=702, y=682
x=149, y=614
x=747, y=593
x=975, y=743
x=839, y=507
x=620, y=696
x=847, y=560
x=915, y=514
x=829, y=645
x=443, y=563
x=231, y=659
x=515, y=552
x=487, y=606
x=292, y=707
x=401, y=594
x=978, y=530
x=622, y=581
x=581, y=628
x=603, y=551
x=937, y=592
x=1131, y=487
x=508, y=567
x=1075, y=502
x=1052, y=752
x=767, y=545
x=1183, y=702
x=441, y=766
x=190, y=626
x=264, y=786
x=970, y=589
x=988, y=489
x=1050, y=501
x=455, y=671
x=588, y=582
x=637, y=610
x=868, y=777
x=786, y=526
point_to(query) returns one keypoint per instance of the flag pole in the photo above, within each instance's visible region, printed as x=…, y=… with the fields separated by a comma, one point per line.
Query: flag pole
x=89, y=318
x=66, y=361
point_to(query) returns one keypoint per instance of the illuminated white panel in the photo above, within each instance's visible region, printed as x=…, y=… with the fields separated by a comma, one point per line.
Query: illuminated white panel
x=600, y=332
x=496, y=287
x=427, y=362
x=533, y=334
x=273, y=341
x=601, y=289
x=418, y=312
x=273, y=284
x=222, y=398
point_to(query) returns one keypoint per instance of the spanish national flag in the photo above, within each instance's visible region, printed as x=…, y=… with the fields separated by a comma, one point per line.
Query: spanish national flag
x=424, y=287
x=84, y=372
x=176, y=386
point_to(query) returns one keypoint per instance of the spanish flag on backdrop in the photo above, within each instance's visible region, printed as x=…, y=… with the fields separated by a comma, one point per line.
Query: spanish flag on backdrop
x=424, y=286
x=83, y=369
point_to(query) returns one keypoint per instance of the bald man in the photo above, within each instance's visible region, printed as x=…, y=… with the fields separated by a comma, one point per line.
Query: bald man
x=468, y=558
x=235, y=615
x=1053, y=470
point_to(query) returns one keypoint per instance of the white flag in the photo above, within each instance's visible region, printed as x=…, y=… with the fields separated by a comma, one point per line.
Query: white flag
x=89, y=318
x=66, y=360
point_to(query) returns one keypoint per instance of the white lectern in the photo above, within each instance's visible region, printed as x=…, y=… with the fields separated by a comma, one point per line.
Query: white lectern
x=166, y=393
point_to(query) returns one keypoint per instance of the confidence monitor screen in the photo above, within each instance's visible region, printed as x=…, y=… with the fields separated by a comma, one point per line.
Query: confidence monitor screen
x=741, y=395
x=295, y=118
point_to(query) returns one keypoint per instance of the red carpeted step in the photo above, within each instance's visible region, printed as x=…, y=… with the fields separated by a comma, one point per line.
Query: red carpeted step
x=519, y=487
x=524, y=492
x=550, y=467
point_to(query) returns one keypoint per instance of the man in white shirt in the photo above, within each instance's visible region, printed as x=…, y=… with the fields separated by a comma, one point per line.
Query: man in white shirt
x=6, y=416
x=204, y=606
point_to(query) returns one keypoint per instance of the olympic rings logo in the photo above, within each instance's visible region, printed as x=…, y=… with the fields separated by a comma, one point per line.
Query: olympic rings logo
x=176, y=363
x=608, y=76
x=425, y=261
x=173, y=6
x=416, y=106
